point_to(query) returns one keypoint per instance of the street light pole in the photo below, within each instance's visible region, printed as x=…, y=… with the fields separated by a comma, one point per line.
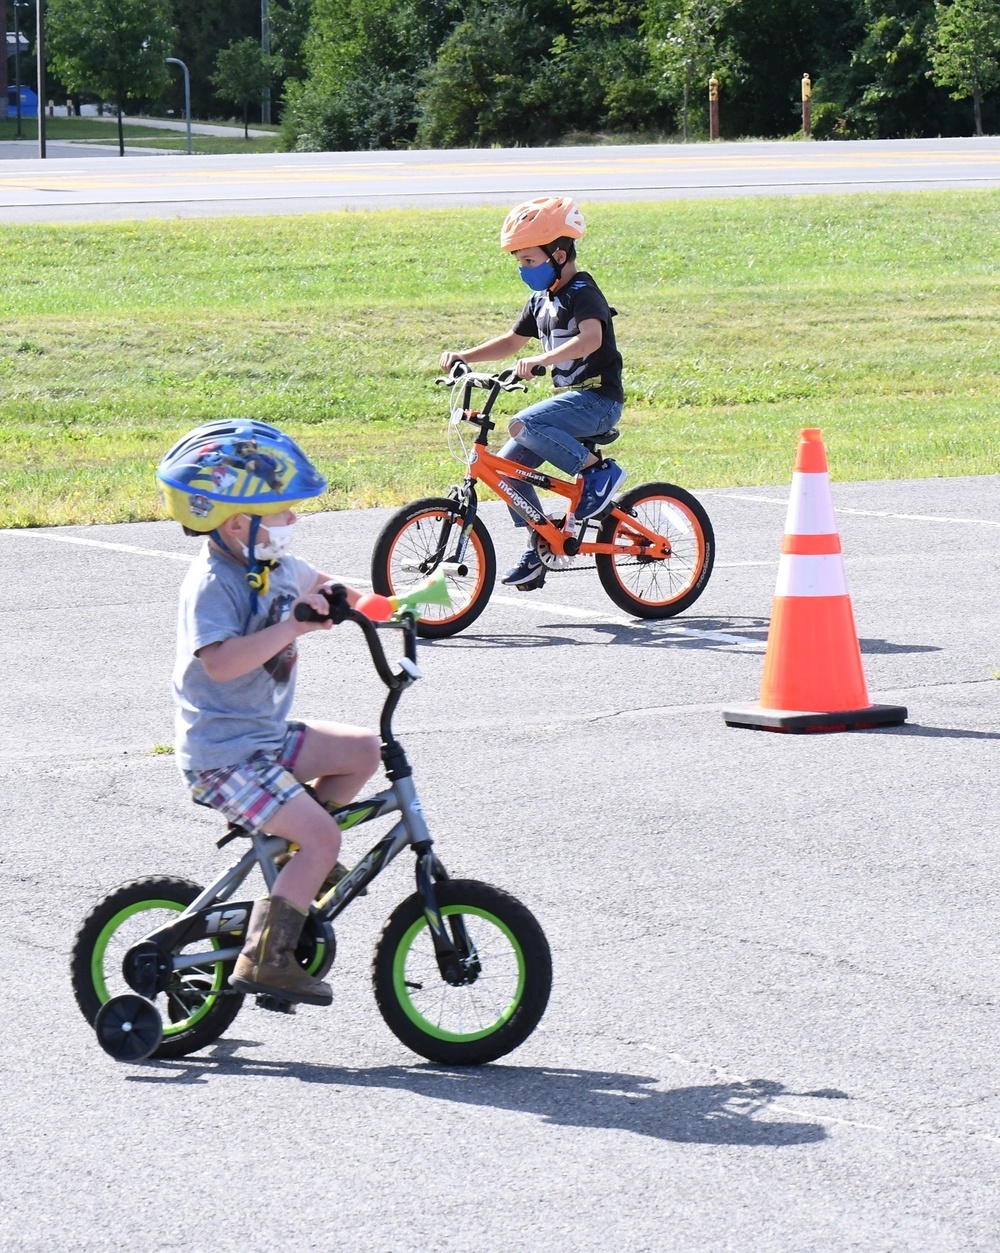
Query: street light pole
x=17, y=67
x=187, y=97
x=265, y=47
x=40, y=54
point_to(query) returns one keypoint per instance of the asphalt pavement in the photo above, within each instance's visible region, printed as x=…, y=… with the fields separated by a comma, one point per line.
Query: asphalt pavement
x=774, y=1017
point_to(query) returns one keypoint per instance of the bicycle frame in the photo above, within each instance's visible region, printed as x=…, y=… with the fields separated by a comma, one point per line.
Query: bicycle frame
x=205, y=920
x=493, y=470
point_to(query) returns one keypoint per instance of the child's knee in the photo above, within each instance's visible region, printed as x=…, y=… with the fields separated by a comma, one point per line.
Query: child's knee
x=323, y=837
x=371, y=753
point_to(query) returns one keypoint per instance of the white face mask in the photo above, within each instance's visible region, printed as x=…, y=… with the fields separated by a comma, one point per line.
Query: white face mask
x=277, y=545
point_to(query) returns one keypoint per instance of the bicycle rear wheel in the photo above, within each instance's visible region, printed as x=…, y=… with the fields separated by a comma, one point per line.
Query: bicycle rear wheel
x=656, y=587
x=198, y=1003
x=418, y=539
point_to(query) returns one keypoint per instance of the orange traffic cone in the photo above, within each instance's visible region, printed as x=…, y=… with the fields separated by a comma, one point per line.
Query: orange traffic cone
x=813, y=676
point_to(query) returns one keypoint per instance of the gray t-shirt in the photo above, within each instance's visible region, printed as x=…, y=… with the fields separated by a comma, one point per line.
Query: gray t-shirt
x=221, y=724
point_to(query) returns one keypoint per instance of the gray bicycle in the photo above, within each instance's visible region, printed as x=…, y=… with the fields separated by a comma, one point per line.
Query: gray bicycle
x=462, y=970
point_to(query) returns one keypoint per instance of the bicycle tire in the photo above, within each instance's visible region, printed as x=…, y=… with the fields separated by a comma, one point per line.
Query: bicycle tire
x=514, y=953
x=658, y=588
x=411, y=539
x=202, y=991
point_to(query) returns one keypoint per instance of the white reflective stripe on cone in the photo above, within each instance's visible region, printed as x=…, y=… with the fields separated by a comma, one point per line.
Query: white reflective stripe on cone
x=810, y=506
x=800, y=575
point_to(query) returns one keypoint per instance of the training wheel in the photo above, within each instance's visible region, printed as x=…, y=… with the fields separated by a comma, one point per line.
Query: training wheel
x=128, y=1028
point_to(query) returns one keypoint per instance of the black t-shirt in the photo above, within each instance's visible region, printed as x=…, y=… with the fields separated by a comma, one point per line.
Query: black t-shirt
x=554, y=317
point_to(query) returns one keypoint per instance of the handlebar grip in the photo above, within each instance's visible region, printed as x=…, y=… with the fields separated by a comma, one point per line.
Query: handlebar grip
x=306, y=613
x=336, y=599
x=538, y=371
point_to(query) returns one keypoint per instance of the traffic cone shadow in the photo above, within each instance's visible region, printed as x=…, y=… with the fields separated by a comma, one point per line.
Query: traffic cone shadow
x=814, y=679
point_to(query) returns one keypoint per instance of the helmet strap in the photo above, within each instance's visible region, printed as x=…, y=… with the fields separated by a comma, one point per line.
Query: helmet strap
x=551, y=254
x=258, y=574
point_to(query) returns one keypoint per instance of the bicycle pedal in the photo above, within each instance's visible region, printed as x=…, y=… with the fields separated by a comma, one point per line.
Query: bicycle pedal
x=276, y=1004
x=533, y=584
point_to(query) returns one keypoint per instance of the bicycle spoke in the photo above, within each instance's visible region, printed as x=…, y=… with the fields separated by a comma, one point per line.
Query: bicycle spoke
x=470, y=1008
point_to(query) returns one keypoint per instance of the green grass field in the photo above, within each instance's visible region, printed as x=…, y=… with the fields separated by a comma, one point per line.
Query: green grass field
x=873, y=317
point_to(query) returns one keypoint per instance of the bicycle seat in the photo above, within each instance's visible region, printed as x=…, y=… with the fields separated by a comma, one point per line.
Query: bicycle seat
x=608, y=437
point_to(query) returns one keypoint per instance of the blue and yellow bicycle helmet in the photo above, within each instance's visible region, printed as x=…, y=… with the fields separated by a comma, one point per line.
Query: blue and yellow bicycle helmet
x=240, y=466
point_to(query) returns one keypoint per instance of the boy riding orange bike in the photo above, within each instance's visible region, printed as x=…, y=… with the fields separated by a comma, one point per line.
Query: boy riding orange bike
x=568, y=313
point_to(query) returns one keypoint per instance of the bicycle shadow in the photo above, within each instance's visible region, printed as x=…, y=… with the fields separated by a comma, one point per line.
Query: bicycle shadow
x=715, y=1113
x=680, y=633
x=719, y=634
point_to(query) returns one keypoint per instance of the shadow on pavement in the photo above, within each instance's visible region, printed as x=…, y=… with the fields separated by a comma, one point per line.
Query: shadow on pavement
x=660, y=633
x=884, y=646
x=715, y=1113
x=945, y=733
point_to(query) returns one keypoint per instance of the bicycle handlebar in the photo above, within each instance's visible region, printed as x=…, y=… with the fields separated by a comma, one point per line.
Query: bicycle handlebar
x=340, y=611
x=506, y=380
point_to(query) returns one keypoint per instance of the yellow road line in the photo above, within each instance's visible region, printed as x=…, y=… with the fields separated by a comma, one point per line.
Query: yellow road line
x=381, y=172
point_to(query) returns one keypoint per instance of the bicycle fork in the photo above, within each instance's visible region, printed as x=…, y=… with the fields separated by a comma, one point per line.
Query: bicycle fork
x=464, y=496
x=455, y=954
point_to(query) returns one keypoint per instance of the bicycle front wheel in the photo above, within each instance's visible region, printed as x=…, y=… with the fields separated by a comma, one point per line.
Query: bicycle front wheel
x=198, y=1004
x=656, y=587
x=418, y=539
x=508, y=975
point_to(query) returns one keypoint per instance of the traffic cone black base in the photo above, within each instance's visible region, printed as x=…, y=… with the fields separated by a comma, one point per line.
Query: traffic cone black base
x=797, y=722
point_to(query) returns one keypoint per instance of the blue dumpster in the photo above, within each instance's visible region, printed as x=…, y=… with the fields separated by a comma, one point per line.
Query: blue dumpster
x=29, y=102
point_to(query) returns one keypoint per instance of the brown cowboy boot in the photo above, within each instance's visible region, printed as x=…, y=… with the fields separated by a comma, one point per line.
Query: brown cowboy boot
x=267, y=963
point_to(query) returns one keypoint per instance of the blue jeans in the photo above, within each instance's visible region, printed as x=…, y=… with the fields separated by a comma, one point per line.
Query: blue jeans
x=552, y=432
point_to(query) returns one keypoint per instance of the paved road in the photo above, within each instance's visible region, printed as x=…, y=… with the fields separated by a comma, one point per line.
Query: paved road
x=775, y=1013
x=27, y=150
x=177, y=186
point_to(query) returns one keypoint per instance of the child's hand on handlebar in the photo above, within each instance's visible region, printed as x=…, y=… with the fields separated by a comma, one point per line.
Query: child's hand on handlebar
x=319, y=605
x=448, y=359
x=529, y=367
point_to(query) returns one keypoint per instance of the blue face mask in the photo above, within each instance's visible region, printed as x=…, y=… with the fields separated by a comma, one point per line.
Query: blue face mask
x=538, y=277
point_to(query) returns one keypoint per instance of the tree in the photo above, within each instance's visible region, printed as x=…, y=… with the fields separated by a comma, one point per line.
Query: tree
x=204, y=28
x=964, y=48
x=683, y=43
x=363, y=60
x=242, y=71
x=111, y=48
x=487, y=85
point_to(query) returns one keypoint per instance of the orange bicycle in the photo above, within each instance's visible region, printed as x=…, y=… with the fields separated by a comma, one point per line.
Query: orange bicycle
x=653, y=549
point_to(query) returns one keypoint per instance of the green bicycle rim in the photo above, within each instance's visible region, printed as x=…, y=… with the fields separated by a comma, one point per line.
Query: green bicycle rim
x=403, y=992
x=100, y=948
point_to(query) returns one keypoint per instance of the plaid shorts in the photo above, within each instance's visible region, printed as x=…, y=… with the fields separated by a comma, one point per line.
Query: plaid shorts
x=253, y=791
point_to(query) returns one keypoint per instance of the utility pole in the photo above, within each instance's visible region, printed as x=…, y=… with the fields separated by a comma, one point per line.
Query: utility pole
x=4, y=81
x=265, y=47
x=17, y=66
x=40, y=56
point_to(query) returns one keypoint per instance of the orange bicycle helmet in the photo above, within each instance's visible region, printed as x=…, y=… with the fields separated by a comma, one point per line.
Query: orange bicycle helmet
x=535, y=223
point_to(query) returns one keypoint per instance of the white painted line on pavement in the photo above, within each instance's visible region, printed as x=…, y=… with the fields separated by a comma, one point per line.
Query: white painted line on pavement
x=873, y=513
x=571, y=611
x=25, y=533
